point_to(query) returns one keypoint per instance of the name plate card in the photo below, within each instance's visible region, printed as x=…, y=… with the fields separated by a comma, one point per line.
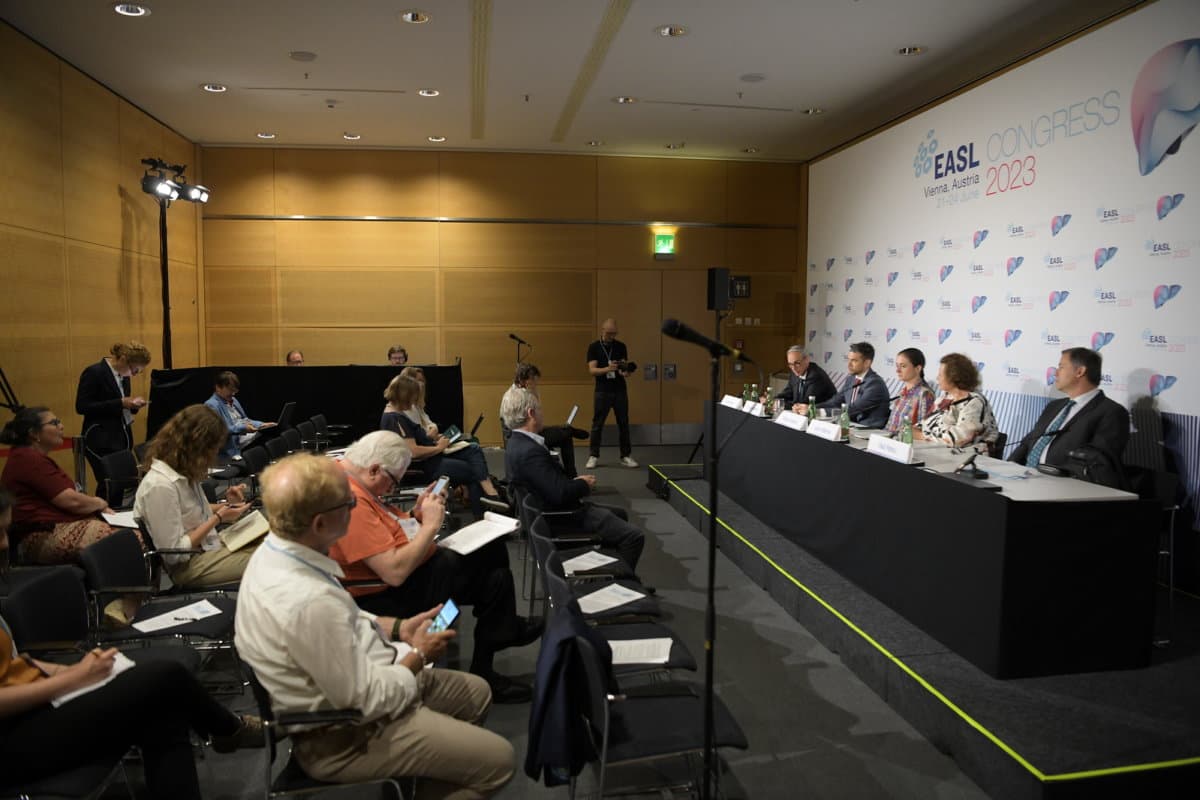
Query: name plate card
x=754, y=409
x=732, y=402
x=790, y=419
x=890, y=448
x=825, y=429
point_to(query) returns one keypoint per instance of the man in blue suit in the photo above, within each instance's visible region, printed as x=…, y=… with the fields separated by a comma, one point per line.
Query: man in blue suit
x=864, y=390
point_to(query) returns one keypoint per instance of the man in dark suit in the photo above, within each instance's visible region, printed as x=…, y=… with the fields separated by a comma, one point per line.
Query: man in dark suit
x=807, y=380
x=864, y=391
x=103, y=398
x=531, y=467
x=1084, y=417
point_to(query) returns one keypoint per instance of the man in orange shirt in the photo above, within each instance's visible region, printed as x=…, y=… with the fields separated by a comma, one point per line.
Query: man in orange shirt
x=387, y=544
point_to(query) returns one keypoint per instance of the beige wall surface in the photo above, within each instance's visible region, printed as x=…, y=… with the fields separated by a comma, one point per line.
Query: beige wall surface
x=79, y=248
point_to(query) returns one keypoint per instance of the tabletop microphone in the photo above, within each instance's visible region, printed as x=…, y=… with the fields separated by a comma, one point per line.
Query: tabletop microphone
x=519, y=340
x=677, y=330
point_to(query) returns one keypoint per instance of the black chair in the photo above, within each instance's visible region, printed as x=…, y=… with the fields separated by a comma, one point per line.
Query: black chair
x=292, y=780
x=120, y=479
x=996, y=448
x=277, y=448
x=85, y=782
x=327, y=434
x=308, y=436
x=543, y=544
x=642, y=609
x=291, y=437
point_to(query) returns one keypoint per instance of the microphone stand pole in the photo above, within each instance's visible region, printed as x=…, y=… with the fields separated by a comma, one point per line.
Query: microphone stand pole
x=710, y=608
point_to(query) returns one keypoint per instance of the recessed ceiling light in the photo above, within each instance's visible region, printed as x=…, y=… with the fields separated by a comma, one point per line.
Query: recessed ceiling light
x=215, y=88
x=428, y=92
x=675, y=145
x=302, y=55
x=437, y=139
x=595, y=143
x=414, y=16
x=812, y=112
x=752, y=77
x=351, y=137
x=911, y=50
x=624, y=100
x=750, y=150
x=265, y=135
x=671, y=30
x=131, y=9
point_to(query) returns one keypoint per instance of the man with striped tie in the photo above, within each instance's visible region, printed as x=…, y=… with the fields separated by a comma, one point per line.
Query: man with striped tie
x=1084, y=417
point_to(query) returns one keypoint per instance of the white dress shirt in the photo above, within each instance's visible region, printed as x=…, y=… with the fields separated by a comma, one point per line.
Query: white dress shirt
x=1080, y=401
x=170, y=505
x=126, y=414
x=312, y=648
x=537, y=437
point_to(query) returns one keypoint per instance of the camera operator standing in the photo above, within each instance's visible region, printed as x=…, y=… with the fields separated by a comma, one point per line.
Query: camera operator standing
x=608, y=363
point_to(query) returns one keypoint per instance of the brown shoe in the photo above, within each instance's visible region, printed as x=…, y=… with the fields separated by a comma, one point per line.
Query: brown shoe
x=249, y=734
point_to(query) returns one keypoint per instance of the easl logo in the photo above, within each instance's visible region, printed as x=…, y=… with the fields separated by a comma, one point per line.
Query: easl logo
x=943, y=163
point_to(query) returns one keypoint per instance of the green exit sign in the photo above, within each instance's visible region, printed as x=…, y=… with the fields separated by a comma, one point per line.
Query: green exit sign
x=664, y=245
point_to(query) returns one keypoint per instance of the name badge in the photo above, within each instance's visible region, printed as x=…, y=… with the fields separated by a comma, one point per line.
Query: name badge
x=610, y=375
x=790, y=419
x=731, y=401
x=890, y=448
x=826, y=430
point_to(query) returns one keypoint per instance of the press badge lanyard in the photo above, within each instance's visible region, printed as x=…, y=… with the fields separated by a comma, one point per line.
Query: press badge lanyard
x=313, y=567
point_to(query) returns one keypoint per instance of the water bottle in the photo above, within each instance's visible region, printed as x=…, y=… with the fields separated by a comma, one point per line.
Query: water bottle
x=812, y=407
x=754, y=393
x=844, y=421
x=906, y=436
x=745, y=393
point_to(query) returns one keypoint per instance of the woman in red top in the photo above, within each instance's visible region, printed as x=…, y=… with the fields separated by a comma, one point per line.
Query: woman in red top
x=53, y=519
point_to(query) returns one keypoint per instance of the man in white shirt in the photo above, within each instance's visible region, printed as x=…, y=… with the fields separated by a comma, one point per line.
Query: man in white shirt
x=314, y=649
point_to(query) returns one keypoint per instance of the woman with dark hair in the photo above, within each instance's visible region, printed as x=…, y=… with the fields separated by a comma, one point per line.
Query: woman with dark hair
x=52, y=517
x=103, y=398
x=963, y=416
x=916, y=398
x=153, y=705
x=172, y=505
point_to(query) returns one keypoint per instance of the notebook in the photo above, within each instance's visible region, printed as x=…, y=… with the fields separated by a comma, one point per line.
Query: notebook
x=247, y=530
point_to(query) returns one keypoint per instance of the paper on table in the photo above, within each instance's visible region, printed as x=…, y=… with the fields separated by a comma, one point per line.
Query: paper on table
x=121, y=662
x=586, y=561
x=1006, y=469
x=120, y=519
x=640, y=651
x=477, y=534
x=611, y=596
x=180, y=616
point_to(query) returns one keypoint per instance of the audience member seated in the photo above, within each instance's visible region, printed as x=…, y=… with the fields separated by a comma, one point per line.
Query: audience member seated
x=962, y=417
x=174, y=509
x=397, y=356
x=530, y=466
x=385, y=543
x=103, y=399
x=52, y=519
x=466, y=467
x=864, y=391
x=313, y=649
x=241, y=428
x=152, y=706
x=294, y=358
x=416, y=412
x=806, y=381
x=1084, y=417
x=916, y=399
x=557, y=436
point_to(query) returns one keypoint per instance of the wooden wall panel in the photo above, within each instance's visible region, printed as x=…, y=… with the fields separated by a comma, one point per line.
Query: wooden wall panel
x=761, y=194
x=484, y=398
x=239, y=297
x=386, y=183
x=773, y=300
x=524, y=297
x=634, y=299
x=239, y=243
x=312, y=243
x=487, y=355
x=242, y=180
x=767, y=346
x=761, y=250
x=661, y=190
x=185, y=318
x=183, y=218
x=31, y=170
x=141, y=137
x=236, y=346
x=91, y=157
x=357, y=298
x=518, y=185
x=516, y=245
x=632, y=247
x=324, y=347
x=684, y=295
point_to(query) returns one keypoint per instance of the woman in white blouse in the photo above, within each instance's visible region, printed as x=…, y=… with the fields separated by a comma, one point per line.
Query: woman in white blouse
x=174, y=509
x=962, y=417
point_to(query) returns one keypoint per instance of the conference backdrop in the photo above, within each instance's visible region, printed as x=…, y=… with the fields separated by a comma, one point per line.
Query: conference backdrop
x=1053, y=206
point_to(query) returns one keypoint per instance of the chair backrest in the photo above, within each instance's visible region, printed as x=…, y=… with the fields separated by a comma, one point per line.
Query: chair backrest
x=996, y=448
x=291, y=438
x=531, y=508
x=319, y=422
x=277, y=448
x=308, y=434
x=50, y=607
x=115, y=560
x=256, y=459
x=554, y=582
x=540, y=539
x=120, y=475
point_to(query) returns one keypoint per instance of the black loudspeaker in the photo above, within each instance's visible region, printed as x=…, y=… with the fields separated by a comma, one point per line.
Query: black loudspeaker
x=718, y=289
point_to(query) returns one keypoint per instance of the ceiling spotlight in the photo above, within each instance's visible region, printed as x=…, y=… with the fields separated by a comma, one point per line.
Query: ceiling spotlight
x=428, y=92
x=675, y=145
x=911, y=50
x=437, y=139
x=265, y=135
x=595, y=143
x=193, y=192
x=131, y=9
x=159, y=185
x=414, y=16
x=814, y=111
x=302, y=55
x=351, y=137
x=215, y=88
x=671, y=30
x=750, y=150
x=624, y=100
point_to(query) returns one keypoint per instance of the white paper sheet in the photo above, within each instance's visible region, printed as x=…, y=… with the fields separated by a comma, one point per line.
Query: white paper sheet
x=121, y=662
x=586, y=561
x=477, y=534
x=611, y=596
x=120, y=519
x=180, y=616
x=640, y=651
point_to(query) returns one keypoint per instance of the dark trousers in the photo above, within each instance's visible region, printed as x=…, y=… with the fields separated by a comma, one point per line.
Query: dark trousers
x=467, y=467
x=560, y=436
x=619, y=403
x=152, y=706
x=481, y=579
x=615, y=532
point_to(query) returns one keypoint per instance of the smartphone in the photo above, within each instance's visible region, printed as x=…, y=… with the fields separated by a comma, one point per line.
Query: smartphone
x=445, y=618
x=441, y=484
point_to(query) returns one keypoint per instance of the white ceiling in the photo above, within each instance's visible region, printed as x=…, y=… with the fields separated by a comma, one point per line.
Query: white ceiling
x=835, y=54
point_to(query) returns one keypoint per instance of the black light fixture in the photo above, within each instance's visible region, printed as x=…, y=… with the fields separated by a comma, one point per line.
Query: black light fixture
x=165, y=190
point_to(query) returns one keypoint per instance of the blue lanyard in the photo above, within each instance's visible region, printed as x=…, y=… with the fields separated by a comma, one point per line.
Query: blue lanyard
x=297, y=558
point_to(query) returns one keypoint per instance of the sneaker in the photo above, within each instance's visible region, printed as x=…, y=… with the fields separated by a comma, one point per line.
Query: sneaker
x=248, y=734
x=627, y=461
x=592, y=462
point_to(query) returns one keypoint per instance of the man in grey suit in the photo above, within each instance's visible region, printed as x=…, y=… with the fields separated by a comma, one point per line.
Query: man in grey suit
x=1084, y=417
x=864, y=391
x=807, y=380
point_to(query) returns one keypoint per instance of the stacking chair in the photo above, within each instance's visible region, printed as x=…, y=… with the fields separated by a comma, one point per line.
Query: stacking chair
x=543, y=544
x=277, y=448
x=326, y=433
x=254, y=461
x=292, y=781
x=642, y=609
x=120, y=479
x=291, y=438
x=308, y=436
